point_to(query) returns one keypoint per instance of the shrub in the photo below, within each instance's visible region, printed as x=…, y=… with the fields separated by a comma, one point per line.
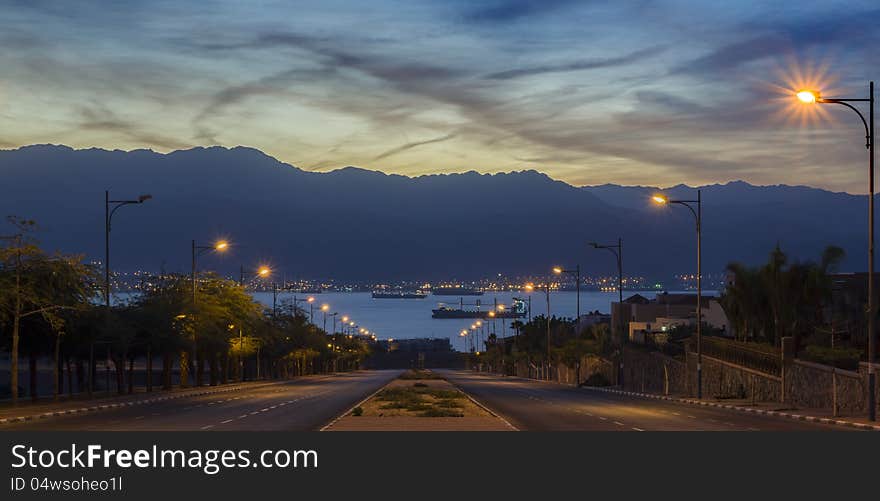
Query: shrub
x=357, y=411
x=597, y=379
x=420, y=385
x=440, y=412
x=449, y=404
x=842, y=358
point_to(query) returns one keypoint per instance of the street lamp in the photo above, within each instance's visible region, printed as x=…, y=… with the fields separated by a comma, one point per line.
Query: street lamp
x=619, y=255
x=577, y=272
x=311, y=301
x=110, y=208
x=325, y=308
x=547, y=375
x=265, y=272
x=814, y=97
x=698, y=216
x=197, y=250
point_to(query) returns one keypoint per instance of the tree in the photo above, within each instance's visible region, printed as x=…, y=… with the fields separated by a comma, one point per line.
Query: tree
x=780, y=298
x=35, y=284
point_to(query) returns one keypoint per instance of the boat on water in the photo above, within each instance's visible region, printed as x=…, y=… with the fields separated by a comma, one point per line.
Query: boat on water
x=517, y=310
x=456, y=291
x=399, y=295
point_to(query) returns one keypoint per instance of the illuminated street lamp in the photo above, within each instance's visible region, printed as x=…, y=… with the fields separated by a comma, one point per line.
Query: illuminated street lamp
x=698, y=216
x=325, y=308
x=811, y=97
x=311, y=301
x=558, y=270
x=219, y=246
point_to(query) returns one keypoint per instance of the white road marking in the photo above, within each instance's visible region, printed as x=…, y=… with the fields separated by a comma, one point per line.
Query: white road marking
x=207, y=427
x=618, y=423
x=227, y=421
x=637, y=429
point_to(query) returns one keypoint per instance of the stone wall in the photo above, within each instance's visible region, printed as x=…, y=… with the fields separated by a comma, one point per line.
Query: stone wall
x=812, y=385
x=726, y=380
x=653, y=372
x=806, y=385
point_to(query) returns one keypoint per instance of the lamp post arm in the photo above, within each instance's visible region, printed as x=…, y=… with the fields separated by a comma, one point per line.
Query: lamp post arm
x=843, y=102
x=687, y=203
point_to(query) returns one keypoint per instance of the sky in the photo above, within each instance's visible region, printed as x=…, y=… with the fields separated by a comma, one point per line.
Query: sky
x=640, y=93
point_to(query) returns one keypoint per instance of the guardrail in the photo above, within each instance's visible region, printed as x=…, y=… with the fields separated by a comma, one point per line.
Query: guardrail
x=763, y=358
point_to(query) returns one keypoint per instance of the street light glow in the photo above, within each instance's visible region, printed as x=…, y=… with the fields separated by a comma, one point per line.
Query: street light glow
x=310, y=299
x=221, y=245
x=808, y=96
x=557, y=270
x=264, y=271
x=660, y=199
x=325, y=307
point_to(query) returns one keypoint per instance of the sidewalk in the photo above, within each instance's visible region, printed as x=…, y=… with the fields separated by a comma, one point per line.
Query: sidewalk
x=764, y=408
x=27, y=411
x=741, y=405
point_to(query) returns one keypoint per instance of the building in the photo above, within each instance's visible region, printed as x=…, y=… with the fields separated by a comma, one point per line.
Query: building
x=593, y=318
x=674, y=309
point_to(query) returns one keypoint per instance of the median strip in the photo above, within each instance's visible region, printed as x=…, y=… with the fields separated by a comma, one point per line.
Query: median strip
x=419, y=400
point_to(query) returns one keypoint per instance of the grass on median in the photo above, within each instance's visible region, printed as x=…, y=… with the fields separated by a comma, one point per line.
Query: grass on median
x=420, y=399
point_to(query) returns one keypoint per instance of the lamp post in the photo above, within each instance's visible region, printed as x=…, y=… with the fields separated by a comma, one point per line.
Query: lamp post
x=617, y=250
x=577, y=273
x=311, y=301
x=110, y=208
x=325, y=308
x=698, y=216
x=529, y=288
x=198, y=250
x=547, y=375
x=814, y=97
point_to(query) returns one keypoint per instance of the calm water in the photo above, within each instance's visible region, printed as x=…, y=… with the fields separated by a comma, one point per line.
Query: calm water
x=408, y=318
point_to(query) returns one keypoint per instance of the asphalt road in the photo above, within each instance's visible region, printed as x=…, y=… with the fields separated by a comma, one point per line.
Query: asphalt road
x=305, y=403
x=540, y=406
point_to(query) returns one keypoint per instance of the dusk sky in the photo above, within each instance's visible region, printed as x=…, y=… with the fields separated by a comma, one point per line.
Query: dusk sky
x=642, y=92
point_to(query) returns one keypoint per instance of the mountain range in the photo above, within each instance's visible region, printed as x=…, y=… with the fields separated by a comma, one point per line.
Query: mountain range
x=359, y=224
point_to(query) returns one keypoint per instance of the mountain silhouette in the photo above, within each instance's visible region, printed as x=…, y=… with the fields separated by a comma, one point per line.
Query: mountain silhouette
x=358, y=224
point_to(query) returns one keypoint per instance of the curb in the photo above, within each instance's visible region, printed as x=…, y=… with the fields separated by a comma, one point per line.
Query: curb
x=352, y=408
x=485, y=408
x=750, y=410
x=100, y=407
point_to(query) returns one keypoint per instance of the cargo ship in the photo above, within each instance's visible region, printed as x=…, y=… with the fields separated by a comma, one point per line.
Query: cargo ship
x=517, y=310
x=398, y=295
x=456, y=291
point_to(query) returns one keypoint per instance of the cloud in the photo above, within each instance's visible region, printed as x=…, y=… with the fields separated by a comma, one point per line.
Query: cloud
x=102, y=119
x=505, y=11
x=409, y=146
x=589, y=64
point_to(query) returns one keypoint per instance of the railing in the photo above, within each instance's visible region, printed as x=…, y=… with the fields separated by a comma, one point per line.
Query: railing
x=763, y=358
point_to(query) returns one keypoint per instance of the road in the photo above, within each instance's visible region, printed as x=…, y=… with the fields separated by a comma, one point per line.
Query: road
x=306, y=403
x=539, y=406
